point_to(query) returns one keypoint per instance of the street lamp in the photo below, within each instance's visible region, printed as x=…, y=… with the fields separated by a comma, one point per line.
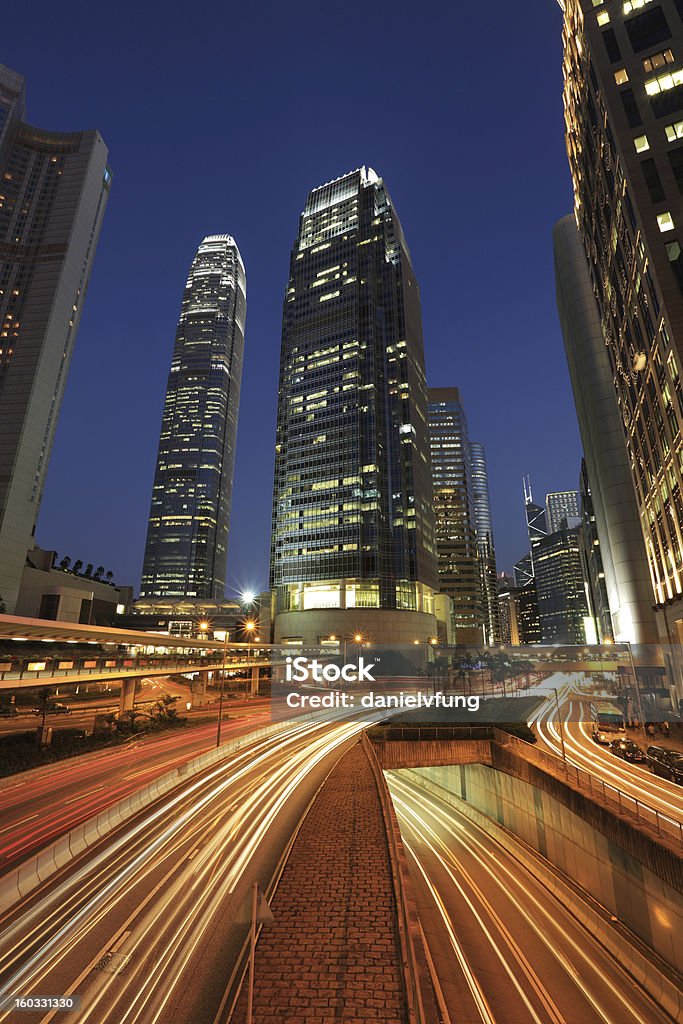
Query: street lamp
x=559, y=719
x=220, y=705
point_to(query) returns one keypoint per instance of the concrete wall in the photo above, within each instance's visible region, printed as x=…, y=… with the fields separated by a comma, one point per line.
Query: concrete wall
x=648, y=905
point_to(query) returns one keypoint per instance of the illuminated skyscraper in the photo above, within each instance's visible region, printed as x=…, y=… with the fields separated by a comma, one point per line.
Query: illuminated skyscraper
x=53, y=192
x=454, y=509
x=353, y=525
x=623, y=100
x=561, y=505
x=187, y=538
x=485, y=545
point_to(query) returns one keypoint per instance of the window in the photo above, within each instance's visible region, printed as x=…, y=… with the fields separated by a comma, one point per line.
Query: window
x=611, y=44
x=646, y=29
x=631, y=108
x=676, y=161
x=665, y=221
x=641, y=143
x=674, y=131
x=663, y=82
x=603, y=19
x=657, y=60
x=653, y=181
x=621, y=76
x=633, y=5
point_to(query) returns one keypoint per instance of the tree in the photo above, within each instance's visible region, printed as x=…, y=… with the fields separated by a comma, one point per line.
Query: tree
x=44, y=696
x=109, y=576
x=97, y=575
x=65, y=563
x=88, y=569
x=77, y=566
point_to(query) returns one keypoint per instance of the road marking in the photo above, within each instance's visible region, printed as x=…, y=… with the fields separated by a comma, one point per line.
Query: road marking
x=16, y=824
x=81, y=796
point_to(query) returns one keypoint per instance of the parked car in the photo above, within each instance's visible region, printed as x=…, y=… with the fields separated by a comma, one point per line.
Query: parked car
x=52, y=709
x=629, y=750
x=666, y=762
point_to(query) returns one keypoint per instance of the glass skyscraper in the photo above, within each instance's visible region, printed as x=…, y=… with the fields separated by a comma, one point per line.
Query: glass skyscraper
x=561, y=505
x=460, y=573
x=353, y=523
x=485, y=544
x=54, y=188
x=187, y=537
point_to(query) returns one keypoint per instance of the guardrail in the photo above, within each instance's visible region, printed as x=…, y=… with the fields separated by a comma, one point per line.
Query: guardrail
x=612, y=796
x=108, y=665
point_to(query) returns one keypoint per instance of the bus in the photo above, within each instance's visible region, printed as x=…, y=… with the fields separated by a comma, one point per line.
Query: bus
x=608, y=722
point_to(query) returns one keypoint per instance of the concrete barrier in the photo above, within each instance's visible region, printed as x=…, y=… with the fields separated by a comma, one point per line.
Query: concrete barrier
x=656, y=978
x=23, y=879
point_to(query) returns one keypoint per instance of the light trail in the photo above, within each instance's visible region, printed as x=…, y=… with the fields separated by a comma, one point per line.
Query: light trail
x=579, y=956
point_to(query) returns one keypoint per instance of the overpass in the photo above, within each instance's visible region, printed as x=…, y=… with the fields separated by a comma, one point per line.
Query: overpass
x=123, y=655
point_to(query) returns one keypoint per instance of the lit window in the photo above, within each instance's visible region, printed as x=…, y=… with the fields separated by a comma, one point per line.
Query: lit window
x=665, y=221
x=663, y=83
x=603, y=18
x=621, y=76
x=674, y=131
x=634, y=5
x=641, y=143
x=657, y=60
x=598, y=3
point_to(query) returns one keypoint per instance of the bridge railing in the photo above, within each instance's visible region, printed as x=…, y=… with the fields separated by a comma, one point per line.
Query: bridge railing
x=42, y=669
x=615, y=798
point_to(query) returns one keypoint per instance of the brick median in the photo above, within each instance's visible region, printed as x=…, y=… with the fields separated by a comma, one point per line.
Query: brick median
x=332, y=953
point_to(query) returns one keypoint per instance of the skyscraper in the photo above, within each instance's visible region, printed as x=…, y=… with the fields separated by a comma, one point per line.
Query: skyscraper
x=53, y=192
x=536, y=523
x=352, y=544
x=187, y=537
x=460, y=574
x=613, y=498
x=560, y=591
x=485, y=544
x=561, y=505
x=623, y=108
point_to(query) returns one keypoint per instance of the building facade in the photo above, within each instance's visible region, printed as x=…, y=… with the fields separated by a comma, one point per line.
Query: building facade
x=608, y=466
x=623, y=100
x=455, y=515
x=353, y=545
x=592, y=564
x=560, y=590
x=536, y=523
x=187, y=537
x=561, y=506
x=485, y=543
x=53, y=192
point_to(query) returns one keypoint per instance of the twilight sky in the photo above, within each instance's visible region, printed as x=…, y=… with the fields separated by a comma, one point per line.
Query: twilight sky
x=219, y=118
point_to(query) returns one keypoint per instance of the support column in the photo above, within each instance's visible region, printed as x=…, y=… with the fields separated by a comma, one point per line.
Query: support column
x=127, y=699
x=255, y=677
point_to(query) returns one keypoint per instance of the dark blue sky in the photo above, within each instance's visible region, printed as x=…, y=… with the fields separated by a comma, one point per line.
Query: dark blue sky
x=220, y=118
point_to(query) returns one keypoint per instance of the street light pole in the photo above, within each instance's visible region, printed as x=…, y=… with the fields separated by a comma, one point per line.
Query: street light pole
x=637, y=687
x=220, y=705
x=559, y=718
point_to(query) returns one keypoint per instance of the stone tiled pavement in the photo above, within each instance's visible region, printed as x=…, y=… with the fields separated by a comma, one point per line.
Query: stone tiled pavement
x=332, y=953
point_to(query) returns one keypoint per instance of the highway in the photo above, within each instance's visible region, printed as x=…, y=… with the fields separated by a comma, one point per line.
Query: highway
x=505, y=951
x=41, y=805
x=145, y=926
x=635, y=780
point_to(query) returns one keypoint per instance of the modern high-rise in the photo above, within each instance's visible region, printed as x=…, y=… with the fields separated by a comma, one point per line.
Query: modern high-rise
x=608, y=467
x=560, y=590
x=352, y=548
x=460, y=574
x=536, y=523
x=485, y=543
x=561, y=506
x=187, y=538
x=623, y=99
x=53, y=192
x=592, y=564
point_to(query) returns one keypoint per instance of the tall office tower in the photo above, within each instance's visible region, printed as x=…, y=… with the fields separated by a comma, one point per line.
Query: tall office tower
x=353, y=544
x=460, y=574
x=617, y=519
x=508, y=613
x=560, y=591
x=592, y=564
x=623, y=99
x=485, y=544
x=536, y=523
x=187, y=536
x=561, y=505
x=523, y=571
x=53, y=191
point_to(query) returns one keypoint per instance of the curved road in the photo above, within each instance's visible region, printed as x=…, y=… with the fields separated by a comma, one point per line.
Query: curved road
x=504, y=949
